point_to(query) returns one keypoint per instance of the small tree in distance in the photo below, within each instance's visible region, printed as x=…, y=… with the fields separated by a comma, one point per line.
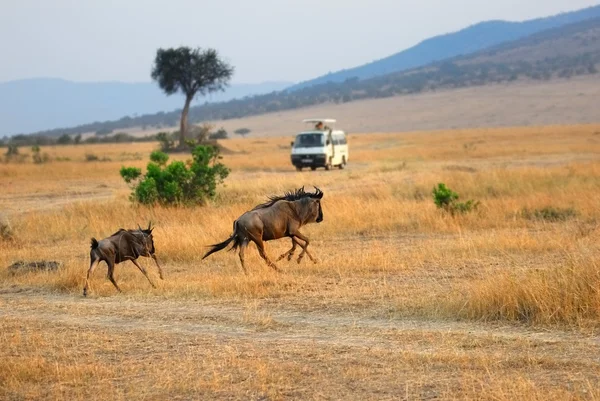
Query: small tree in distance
x=64, y=139
x=242, y=132
x=190, y=71
x=219, y=134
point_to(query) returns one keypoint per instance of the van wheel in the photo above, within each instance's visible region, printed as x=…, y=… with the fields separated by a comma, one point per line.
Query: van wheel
x=298, y=168
x=313, y=168
x=343, y=164
x=328, y=165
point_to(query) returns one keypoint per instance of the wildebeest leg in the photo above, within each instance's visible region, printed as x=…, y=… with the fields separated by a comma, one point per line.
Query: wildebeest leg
x=160, y=272
x=289, y=253
x=304, y=250
x=243, y=247
x=143, y=272
x=93, y=265
x=261, y=250
x=111, y=274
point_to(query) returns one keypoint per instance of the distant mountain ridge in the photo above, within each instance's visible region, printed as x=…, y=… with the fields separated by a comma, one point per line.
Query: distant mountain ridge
x=560, y=52
x=466, y=41
x=30, y=105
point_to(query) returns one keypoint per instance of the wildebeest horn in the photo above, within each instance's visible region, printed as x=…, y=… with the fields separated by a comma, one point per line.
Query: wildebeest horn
x=140, y=228
x=318, y=193
x=149, y=224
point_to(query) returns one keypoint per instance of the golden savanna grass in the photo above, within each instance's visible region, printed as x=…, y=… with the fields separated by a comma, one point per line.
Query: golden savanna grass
x=406, y=301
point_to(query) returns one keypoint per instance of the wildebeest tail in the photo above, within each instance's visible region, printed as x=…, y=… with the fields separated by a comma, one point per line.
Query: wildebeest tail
x=222, y=245
x=94, y=243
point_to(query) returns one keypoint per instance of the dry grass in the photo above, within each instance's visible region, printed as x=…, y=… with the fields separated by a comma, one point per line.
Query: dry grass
x=565, y=294
x=405, y=302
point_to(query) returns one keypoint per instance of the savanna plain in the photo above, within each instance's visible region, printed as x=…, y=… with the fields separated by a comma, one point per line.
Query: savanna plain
x=406, y=301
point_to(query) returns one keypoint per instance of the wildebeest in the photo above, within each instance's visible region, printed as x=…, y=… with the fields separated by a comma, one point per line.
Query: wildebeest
x=280, y=216
x=119, y=247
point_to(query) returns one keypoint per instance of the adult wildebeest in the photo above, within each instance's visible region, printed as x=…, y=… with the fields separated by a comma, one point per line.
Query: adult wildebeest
x=281, y=216
x=119, y=247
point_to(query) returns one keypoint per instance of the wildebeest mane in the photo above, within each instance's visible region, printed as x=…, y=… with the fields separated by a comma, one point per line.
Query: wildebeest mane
x=290, y=196
x=118, y=232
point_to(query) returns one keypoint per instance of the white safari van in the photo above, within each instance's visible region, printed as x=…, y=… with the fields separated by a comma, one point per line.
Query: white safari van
x=320, y=146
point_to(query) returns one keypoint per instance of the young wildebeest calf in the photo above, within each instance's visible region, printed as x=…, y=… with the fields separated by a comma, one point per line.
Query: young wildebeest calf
x=281, y=216
x=119, y=247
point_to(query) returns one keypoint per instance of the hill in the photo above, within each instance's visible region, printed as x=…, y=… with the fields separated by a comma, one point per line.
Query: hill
x=463, y=42
x=571, y=50
x=45, y=103
x=520, y=103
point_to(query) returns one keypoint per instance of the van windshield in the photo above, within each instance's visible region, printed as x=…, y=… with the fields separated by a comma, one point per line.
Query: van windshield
x=309, y=141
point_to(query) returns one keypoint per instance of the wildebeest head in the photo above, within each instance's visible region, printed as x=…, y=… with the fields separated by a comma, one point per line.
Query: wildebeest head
x=314, y=205
x=145, y=236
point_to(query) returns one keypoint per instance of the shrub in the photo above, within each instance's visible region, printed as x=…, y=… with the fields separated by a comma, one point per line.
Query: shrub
x=90, y=157
x=13, y=150
x=38, y=157
x=64, y=139
x=177, y=183
x=220, y=134
x=549, y=213
x=201, y=133
x=13, y=154
x=446, y=199
x=167, y=143
x=6, y=232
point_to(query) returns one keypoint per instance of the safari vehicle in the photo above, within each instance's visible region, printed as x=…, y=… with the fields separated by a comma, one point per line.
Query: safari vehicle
x=320, y=146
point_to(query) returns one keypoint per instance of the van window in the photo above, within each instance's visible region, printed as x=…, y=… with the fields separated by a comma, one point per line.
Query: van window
x=309, y=140
x=342, y=140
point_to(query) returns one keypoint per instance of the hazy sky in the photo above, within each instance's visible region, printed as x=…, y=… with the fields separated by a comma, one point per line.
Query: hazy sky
x=291, y=40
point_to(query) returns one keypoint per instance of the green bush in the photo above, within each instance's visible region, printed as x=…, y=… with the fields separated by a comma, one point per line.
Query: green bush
x=12, y=150
x=39, y=157
x=167, y=143
x=220, y=134
x=64, y=139
x=13, y=154
x=446, y=199
x=177, y=183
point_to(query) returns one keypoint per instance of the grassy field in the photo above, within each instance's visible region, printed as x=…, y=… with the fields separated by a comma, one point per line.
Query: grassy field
x=406, y=302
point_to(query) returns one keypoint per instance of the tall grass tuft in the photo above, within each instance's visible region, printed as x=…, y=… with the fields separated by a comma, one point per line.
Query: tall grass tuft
x=566, y=294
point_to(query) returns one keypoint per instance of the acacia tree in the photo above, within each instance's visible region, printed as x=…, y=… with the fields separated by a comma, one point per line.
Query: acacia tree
x=191, y=72
x=242, y=131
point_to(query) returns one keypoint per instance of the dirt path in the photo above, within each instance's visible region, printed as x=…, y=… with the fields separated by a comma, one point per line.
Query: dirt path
x=254, y=323
x=157, y=348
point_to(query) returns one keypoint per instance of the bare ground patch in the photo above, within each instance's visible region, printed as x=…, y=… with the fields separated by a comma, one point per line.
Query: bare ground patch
x=178, y=349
